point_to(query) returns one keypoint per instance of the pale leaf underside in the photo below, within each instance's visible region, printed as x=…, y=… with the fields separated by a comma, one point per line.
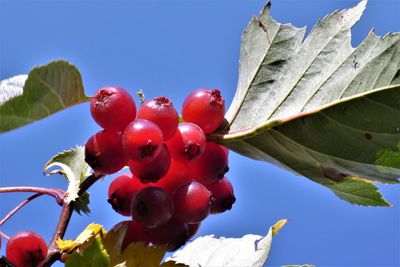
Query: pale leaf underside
x=318, y=106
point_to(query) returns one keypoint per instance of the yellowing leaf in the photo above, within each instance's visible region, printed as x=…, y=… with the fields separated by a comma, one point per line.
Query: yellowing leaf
x=87, y=235
x=278, y=226
x=93, y=256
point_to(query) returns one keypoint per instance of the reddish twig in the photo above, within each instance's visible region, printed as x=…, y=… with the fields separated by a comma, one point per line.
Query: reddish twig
x=4, y=235
x=58, y=194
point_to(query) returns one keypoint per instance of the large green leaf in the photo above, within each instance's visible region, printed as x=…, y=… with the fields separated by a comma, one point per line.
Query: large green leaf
x=317, y=106
x=46, y=90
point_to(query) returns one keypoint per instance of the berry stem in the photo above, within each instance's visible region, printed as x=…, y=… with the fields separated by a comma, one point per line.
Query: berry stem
x=17, y=208
x=4, y=235
x=54, y=254
x=58, y=194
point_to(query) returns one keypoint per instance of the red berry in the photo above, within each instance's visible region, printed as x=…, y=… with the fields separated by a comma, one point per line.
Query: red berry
x=152, y=171
x=193, y=229
x=152, y=207
x=188, y=142
x=134, y=233
x=211, y=165
x=223, y=196
x=121, y=191
x=192, y=203
x=26, y=249
x=176, y=176
x=142, y=140
x=103, y=152
x=174, y=234
x=160, y=111
x=204, y=107
x=113, y=108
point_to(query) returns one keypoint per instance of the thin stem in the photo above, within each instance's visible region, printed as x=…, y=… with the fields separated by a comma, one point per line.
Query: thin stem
x=54, y=254
x=58, y=194
x=17, y=208
x=4, y=235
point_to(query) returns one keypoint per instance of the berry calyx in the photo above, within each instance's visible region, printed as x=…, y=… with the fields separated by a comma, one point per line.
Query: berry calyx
x=192, y=202
x=142, y=140
x=152, y=207
x=152, y=171
x=211, y=165
x=113, y=108
x=223, y=196
x=188, y=142
x=121, y=191
x=204, y=107
x=160, y=111
x=26, y=249
x=103, y=152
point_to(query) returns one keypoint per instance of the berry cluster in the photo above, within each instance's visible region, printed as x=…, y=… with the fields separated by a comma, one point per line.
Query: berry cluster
x=177, y=176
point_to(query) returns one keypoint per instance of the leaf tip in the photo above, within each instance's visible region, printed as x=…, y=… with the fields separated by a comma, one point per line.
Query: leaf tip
x=278, y=226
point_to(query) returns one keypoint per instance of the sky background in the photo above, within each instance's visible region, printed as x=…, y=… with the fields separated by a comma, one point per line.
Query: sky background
x=171, y=48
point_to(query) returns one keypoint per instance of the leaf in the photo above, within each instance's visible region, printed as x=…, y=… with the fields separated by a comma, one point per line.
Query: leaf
x=94, y=255
x=87, y=235
x=46, y=90
x=135, y=255
x=72, y=165
x=82, y=204
x=250, y=250
x=317, y=106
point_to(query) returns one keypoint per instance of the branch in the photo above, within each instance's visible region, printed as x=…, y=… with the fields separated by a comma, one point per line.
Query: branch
x=54, y=254
x=58, y=194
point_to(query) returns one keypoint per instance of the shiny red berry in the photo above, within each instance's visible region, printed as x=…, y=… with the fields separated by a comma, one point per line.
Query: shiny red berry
x=26, y=249
x=113, y=108
x=103, y=152
x=204, y=107
x=121, y=191
x=160, y=111
x=223, y=196
x=193, y=229
x=211, y=165
x=192, y=203
x=188, y=142
x=152, y=171
x=152, y=207
x=176, y=176
x=174, y=234
x=142, y=140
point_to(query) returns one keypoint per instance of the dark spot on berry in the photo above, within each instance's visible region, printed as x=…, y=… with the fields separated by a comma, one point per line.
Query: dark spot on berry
x=92, y=160
x=102, y=98
x=116, y=203
x=368, y=136
x=216, y=98
x=221, y=175
x=147, y=150
x=333, y=174
x=228, y=202
x=141, y=208
x=163, y=101
x=35, y=257
x=192, y=150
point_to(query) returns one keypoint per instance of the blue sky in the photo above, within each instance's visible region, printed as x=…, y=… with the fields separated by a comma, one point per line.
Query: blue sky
x=170, y=48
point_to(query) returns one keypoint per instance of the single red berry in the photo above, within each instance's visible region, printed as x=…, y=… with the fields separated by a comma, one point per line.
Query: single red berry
x=174, y=234
x=176, y=176
x=152, y=207
x=26, y=249
x=152, y=171
x=211, y=165
x=192, y=203
x=223, y=196
x=188, y=142
x=113, y=108
x=142, y=140
x=121, y=191
x=134, y=233
x=193, y=229
x=204, y=107
x=160, y=111
x=103, y=152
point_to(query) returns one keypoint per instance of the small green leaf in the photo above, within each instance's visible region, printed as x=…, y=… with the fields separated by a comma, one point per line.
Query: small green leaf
x=71, y=164
x=358, y=191
x=249, y=250
x=82, y=204
x=92, y=256
x=46, y=90
x=317, y=106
